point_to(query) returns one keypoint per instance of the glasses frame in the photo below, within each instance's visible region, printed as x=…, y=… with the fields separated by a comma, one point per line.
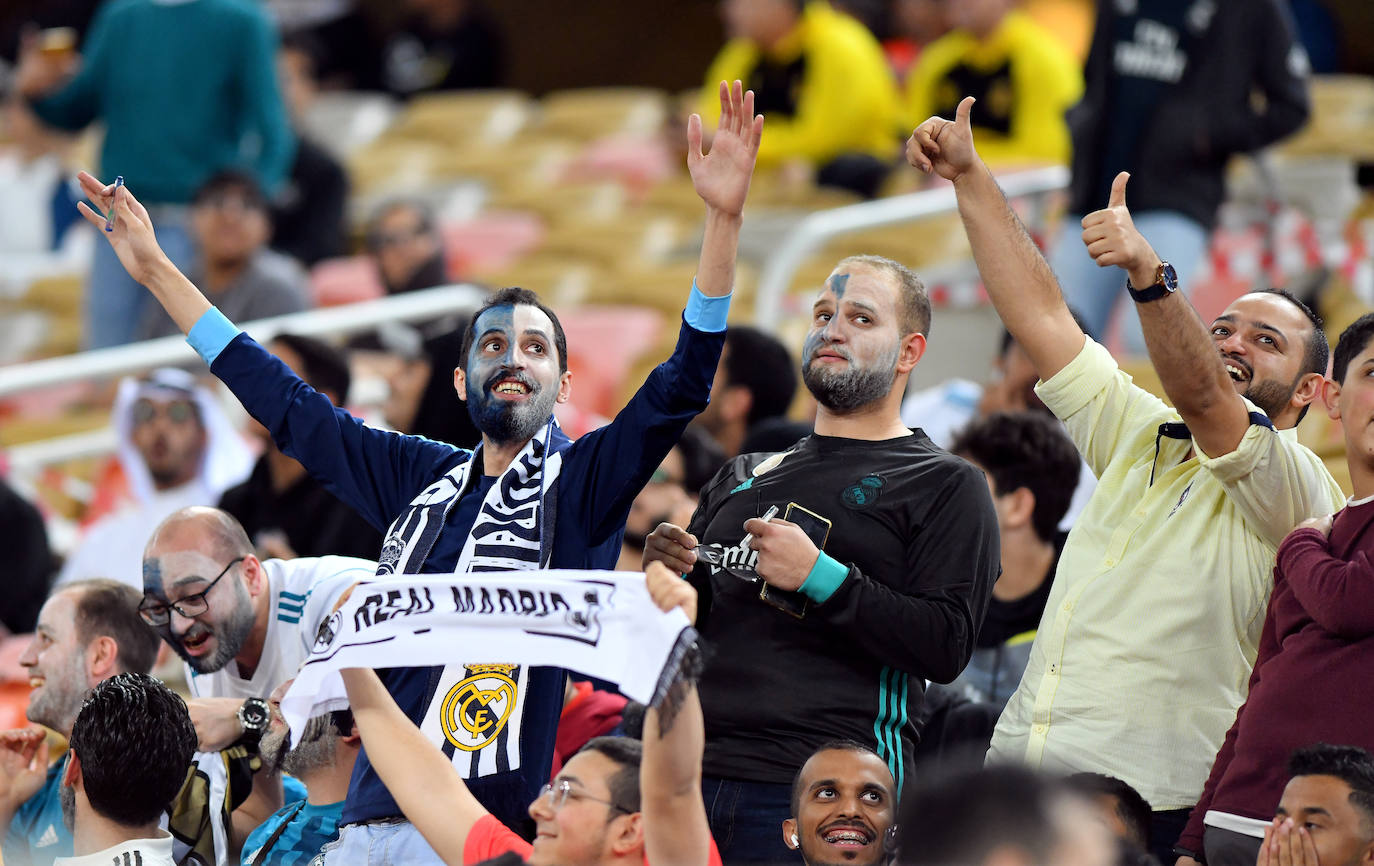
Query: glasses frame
x=195, y=599
x=558, y=794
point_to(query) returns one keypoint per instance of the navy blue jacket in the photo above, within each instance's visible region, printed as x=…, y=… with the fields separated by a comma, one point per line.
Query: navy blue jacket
x=378, y=472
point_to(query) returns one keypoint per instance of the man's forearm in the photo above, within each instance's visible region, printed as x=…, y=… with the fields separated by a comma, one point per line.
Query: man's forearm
x=719, y=245
x=178, y=296
x=1183, y=353
x=676, y=832
x=1019, y=281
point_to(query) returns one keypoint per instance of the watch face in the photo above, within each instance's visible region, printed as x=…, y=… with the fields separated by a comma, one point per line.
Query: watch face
x=1169, y=276
x=255, y=715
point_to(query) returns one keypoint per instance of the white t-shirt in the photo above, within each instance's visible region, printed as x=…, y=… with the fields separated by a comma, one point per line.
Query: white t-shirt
x=134, y=852
x=303, y=593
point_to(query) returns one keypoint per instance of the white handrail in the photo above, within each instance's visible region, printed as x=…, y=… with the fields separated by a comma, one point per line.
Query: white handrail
x=821, y=226
x=330, y=321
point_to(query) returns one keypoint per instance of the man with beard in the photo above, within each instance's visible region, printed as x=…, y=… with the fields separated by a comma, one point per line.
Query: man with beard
x=323, y=761
x=87, y=631
x=828, y=619
x=527, y=498
x=1153, y=621
x=241, y=624
x=130, y=748
x=844, y=804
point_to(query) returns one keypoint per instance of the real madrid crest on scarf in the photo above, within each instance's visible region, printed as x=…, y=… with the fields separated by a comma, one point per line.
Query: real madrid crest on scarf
x=475, y=714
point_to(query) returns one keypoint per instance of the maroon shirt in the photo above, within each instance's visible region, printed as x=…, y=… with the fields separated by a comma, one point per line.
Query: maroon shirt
x=1314, y=674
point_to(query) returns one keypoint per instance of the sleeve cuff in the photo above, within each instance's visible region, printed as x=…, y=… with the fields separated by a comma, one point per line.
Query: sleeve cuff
x=706, y=313
x=825, y=577
x=211, y=333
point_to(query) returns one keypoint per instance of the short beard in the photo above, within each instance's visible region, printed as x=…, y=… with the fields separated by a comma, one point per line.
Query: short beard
x=314, y=752
x=66, y=795
x=63, y=694
x=853, y=389
x=1271, y=395
x=229, y=636
x=513, y=422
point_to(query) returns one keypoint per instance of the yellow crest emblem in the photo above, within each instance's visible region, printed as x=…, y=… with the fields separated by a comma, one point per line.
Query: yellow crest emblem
x=476, y=709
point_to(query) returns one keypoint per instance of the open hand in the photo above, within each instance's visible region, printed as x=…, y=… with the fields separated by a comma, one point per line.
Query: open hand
x=1287, y=844
x=786, y=553
x=669, y=590
x=132, y=236
x=722, y=177
x=1321, y=524
x=1113, y=239
x=944, y=147
x=671, y=545
x=23, y=765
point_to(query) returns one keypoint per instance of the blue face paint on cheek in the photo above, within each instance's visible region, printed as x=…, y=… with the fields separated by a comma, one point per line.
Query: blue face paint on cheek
x=482, y=404
x=814, y=338
x=152, y=578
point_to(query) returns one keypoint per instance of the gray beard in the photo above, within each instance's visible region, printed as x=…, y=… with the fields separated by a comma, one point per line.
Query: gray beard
x=853, y=389
x=314, y=752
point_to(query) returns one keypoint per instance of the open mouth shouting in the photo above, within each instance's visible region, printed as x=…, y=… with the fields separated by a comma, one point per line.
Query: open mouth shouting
x=196, y=641
x=848, y=836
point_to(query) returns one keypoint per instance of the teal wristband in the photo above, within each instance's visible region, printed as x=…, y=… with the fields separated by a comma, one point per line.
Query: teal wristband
x=825, y=577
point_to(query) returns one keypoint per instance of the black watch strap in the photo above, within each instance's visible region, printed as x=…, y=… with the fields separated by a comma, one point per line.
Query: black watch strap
x=1166, y=283
x=254, y=715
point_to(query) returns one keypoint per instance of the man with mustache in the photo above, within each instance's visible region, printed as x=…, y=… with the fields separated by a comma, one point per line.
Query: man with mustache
x=844, y=807
x=827, y=620
x=87, y=631
x=1153, y=622
x=527, y=498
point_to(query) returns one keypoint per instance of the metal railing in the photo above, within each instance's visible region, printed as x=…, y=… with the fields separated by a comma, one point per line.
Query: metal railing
x=817, y=228
x=135, y=358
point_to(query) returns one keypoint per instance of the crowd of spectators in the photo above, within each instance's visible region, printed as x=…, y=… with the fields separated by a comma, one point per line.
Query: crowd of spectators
x=1048, y=618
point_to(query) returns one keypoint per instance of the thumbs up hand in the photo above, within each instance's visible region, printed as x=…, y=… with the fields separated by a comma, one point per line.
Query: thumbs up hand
x=1112, y=238
x=944, y=147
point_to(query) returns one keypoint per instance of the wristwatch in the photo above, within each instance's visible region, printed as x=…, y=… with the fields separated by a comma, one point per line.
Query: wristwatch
x=1166, y=283
x=254, y=715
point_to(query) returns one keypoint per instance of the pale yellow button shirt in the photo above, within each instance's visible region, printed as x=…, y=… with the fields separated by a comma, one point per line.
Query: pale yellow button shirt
x=1150, y=630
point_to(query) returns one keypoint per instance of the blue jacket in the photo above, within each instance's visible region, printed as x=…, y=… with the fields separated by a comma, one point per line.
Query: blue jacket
x=378, y=472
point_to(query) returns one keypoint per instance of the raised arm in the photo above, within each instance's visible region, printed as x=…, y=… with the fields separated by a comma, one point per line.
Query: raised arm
x=1181, y=348
x=1019, y=281
x=721, y=178
x=136, y=246
x=676, y=832
x=426, y=786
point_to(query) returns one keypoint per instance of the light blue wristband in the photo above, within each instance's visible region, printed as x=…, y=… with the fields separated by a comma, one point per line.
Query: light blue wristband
x=706, y=313
x=825, y=577
x=211, y=333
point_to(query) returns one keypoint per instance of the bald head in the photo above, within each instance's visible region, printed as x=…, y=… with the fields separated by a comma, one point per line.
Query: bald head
x=209, y=530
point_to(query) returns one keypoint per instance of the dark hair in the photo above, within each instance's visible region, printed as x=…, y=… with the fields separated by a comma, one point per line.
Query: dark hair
x=1007, y=339
x=306, y=44
x=913, y=303
x=1354, y=340
x=761, y=363
x=135, y=741
x=963, y=816
x=1025, y=449
x=1315, y=357
x=232, y=180
x=702, y=457
x=516, y=296
x=623, y=783
x=1132, y=808
x=423, y=213
x=109, y=608
x=838, y=745
x=326, y=368
x=1350, y=764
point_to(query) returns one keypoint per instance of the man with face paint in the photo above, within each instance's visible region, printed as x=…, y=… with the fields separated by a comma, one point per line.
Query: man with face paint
x=1154, y=619
x=87, y=631
x=526, y=498
x=828, y=619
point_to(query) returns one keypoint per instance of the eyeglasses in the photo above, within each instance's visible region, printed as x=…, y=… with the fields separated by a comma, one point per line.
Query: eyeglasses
x=178, y=412
x=558, y=794
x=192, y=606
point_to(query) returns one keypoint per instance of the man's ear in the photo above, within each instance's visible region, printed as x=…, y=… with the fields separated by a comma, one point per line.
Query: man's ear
x=254, y=576
x=1019, y=506
x=630, y=835
x=71, y=771
x=912, y=348
x=460, y=383
x=102, y=658
x=564, y=387
x=1331, y=396
x=789, y=834
x=353, y=739
x=1309, y=389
